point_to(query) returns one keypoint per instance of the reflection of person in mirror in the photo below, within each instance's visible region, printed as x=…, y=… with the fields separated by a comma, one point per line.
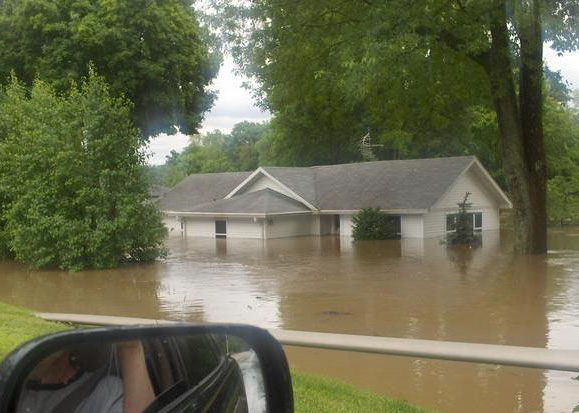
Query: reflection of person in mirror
x=60, y=384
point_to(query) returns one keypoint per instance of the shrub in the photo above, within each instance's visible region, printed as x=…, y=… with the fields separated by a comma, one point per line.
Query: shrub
x=464, y=233
x=373, y=224
x=73, y=194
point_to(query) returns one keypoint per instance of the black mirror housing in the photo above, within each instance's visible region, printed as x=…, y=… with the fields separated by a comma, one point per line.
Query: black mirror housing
x=276, y=387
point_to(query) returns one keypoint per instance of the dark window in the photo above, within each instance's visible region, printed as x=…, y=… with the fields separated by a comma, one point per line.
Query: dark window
x=220, y=228
x=478, y=220
x=397, y=222
x=451, y=222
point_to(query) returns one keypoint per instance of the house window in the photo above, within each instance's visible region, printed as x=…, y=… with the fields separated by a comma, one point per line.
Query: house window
x=220, y=228
x=478, y=221
x=451, y=222
x=475, y=218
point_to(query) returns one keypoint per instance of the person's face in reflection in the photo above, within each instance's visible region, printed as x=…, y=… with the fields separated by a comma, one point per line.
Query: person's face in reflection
x=57, y=368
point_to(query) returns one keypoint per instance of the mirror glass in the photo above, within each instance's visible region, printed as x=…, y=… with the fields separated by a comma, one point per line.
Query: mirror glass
x=201, y=372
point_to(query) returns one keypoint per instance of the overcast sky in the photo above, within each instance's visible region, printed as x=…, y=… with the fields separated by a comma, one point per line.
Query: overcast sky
x=234, y=104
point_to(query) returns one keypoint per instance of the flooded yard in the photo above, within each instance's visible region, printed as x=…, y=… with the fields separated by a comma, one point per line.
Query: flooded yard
x=408, y=288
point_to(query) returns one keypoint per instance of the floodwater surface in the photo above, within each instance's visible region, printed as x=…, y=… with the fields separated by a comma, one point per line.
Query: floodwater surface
x=410, y=288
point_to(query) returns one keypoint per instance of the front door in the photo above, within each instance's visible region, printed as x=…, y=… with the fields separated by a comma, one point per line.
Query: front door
x=220, y=228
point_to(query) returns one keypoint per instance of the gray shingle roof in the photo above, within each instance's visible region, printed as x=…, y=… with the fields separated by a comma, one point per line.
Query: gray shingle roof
x=300, y=180
x=404, y=184
x=264, y=201
x=199, y=189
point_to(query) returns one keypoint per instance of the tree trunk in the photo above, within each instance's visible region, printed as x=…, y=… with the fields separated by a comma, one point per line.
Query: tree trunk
x=531, y=103
x=520, y=125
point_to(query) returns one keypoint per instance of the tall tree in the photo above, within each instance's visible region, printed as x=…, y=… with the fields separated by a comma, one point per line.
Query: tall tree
x=412, y=65
x=71, y=178
x=152, y=51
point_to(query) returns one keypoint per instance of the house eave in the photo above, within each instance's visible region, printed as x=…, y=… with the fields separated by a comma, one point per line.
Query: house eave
x=234, y=214
x=395, y=211
x=262, y=171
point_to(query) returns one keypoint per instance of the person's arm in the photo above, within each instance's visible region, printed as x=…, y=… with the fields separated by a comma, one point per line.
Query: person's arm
x=138, y=391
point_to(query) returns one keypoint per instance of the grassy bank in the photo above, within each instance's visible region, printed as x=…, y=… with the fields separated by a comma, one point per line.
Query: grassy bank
x=318, y=394
x=18, y=326
x=312, y=394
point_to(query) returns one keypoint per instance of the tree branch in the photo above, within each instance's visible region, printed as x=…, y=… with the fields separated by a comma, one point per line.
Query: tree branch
x=457, y=44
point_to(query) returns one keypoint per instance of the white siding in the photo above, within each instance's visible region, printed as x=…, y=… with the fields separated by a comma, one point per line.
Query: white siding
x=244, y=228
x=491, y=219
x=411, y=226
x=290, y=226
x=263, y=182
x=480, y=196
x=346, y=225
x=199, y=227
x=173, y=226
x=316, y=224
x=435, y=221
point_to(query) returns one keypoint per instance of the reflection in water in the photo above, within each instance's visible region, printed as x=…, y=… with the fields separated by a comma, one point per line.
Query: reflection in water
x=409, y=288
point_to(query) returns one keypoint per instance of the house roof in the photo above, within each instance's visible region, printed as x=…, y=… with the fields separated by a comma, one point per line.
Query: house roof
x=404, y=184
x=157, y=191
x=300, y=180
x=263, y=202
x=199, y=189
x=401, y=184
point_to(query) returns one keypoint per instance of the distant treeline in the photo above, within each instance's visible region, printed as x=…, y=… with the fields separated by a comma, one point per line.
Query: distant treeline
x=250, y=145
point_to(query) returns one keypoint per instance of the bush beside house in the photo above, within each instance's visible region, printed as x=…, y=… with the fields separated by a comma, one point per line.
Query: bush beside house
x=373, y=224
x=464, y=233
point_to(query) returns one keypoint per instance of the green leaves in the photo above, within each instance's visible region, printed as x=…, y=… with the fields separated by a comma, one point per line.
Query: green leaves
x=152, y=51
x=217, y=152
x=372, y=224
x=70, y=177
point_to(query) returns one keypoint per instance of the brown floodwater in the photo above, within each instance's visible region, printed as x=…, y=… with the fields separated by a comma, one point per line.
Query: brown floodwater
x=409, y=288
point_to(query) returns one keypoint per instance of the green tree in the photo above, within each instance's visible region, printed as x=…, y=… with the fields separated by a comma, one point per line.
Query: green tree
x=562, y=142
x=71, y=175
x=217, y=152
x=415, y=69
x=464, y=229
x=152, y=51
x=241, y=144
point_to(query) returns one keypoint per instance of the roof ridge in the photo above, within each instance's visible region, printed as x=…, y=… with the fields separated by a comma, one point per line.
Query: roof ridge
x=394, y=160
x=218, y=173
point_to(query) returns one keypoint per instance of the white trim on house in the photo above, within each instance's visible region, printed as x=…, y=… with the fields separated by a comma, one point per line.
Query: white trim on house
x=268, y=175
x=489, y=178
x=388, y=211
x=234, y=214
x=493, y=183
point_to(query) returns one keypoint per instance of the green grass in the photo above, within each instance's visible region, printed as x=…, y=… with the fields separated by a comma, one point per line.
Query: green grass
x=18, y=326
x=311, y=393
x=317, y=394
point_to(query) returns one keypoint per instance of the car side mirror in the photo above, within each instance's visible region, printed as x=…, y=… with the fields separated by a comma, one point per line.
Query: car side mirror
x=170, y=368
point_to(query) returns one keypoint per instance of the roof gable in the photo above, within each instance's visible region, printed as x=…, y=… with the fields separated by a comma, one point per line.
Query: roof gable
x=483, y=188
x=263, y=202
x=416, y=184
x=278, y=185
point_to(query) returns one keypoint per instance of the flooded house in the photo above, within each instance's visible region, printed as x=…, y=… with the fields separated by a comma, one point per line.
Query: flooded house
x=278, y=202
